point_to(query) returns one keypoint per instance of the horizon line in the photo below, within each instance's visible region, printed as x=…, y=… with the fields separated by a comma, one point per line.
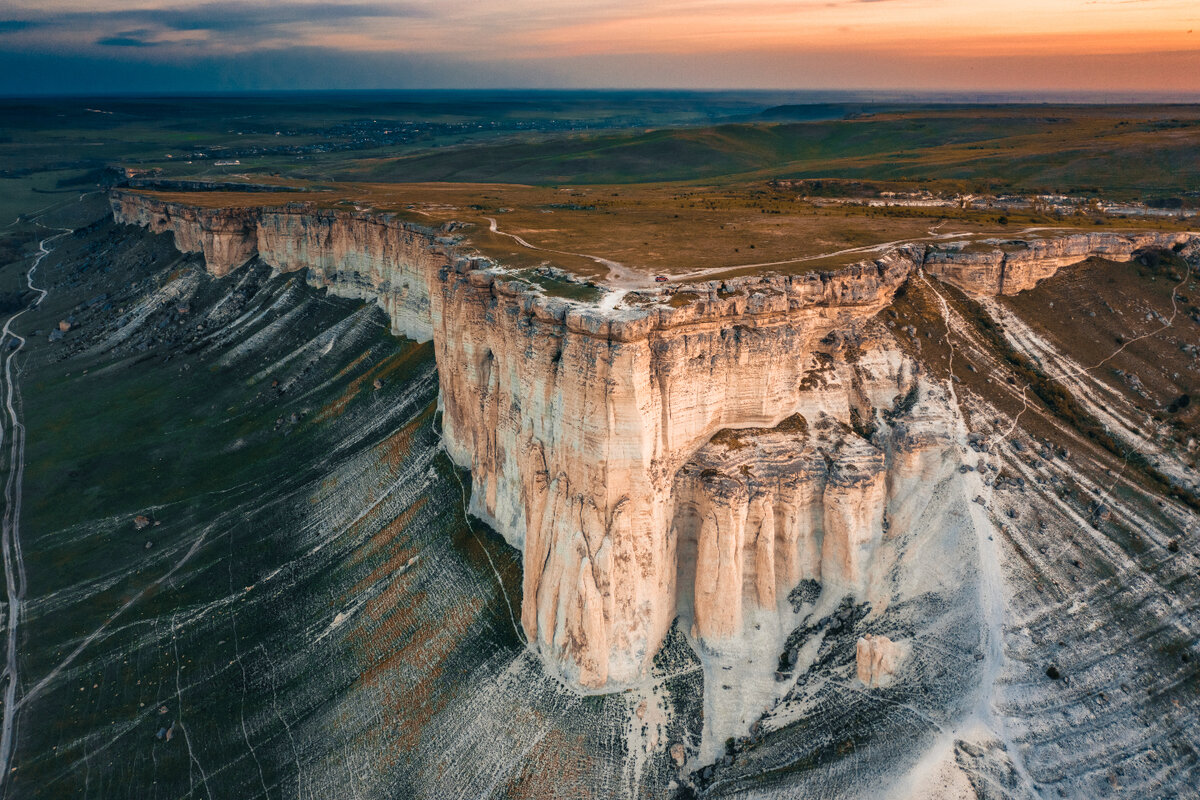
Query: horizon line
x=883, y=95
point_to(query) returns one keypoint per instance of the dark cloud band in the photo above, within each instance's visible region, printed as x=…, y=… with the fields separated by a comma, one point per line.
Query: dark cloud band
x=219, y=17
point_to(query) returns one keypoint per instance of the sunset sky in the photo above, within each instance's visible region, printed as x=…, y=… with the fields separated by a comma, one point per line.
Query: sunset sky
x=972, y=45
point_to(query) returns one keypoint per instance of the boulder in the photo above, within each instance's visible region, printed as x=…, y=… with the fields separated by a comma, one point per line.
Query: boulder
x=877, y=658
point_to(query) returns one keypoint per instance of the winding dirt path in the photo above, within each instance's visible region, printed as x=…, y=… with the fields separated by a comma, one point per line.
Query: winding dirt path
x=10, y=533
x=620, y=278
x=864, y=250
x=614, y=267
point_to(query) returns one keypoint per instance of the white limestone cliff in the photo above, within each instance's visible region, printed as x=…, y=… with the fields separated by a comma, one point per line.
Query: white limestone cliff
x=353, y=254
x=1015, y=265
x=589, y=433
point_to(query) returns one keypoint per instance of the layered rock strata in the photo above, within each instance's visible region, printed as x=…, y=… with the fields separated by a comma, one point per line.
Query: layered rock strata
x=757, y=511
x=574, y=424
x=1009, y=267
x=353, y=254
x=583, y=428
x=225, y=236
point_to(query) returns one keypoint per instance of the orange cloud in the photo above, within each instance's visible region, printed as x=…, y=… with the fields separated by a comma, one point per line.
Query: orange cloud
x=662, y=43
x=985, y=27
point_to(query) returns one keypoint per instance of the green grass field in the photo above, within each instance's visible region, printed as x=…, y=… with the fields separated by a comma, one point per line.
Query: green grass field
x=668, y=185
x=1130, y=152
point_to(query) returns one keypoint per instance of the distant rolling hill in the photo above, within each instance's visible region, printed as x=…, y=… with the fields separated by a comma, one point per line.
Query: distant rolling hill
x=1129, y=150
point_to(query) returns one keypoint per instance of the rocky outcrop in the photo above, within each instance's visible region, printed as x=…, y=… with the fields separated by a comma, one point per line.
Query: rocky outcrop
x=876, y=659
x=574, y=423
x=757, y=512
x=226, y=236
x=353, y=254
x=1009, y=267
x=371, y=257
x=588, y=432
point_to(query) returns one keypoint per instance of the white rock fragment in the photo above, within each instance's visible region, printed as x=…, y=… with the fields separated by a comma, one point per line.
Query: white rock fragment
x=877, y=658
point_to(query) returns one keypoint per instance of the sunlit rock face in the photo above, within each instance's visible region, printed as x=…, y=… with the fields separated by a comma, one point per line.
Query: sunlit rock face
x=574, y=425
x=225, y=236
x=876, y=659
x=756, y=515
x=818, y=499
x=358, y=255
x=1017, y=265
x=589, y=433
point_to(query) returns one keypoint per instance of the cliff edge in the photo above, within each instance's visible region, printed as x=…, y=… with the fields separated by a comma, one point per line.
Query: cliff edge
x=655, y=461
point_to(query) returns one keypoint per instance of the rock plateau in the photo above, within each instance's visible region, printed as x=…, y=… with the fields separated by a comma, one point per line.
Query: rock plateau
x=653, y=461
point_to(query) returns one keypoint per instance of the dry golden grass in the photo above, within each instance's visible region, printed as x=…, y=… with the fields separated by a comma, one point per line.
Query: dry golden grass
x=675, y=230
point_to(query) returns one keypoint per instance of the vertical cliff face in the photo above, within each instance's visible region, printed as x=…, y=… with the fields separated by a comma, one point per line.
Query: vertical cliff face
x=225, y=236
x=757, y=515
x=375, y=257
x=574, y=424
x=358, y=255
x=758, y=511
x=1009, y=267
x=589, y=434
